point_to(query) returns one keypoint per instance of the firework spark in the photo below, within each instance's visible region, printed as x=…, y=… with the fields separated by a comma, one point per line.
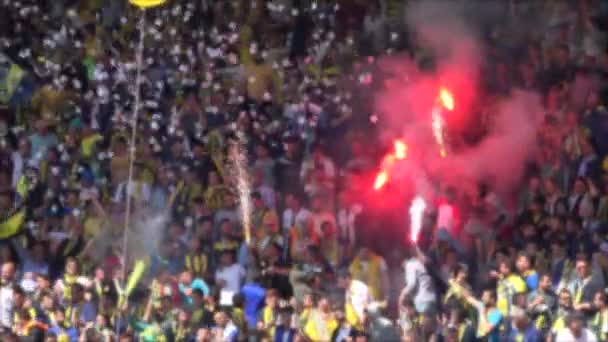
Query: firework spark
x=239, y=160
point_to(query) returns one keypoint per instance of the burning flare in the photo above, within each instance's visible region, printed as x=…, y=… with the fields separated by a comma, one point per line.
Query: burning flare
x=416, y=214
x=381, y=179
x=399, y=153
x=400, y=150
x=445, y=99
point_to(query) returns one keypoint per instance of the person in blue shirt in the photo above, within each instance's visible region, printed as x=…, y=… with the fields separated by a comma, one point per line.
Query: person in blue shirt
x=490, y=317
x=523, y=330
x=284, y=332
x=254, y=294
x=187, y=284
x=60, y=327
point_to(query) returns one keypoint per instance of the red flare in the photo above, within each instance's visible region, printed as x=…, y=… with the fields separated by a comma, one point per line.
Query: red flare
x=446, y=98
x=400, y=150
x=381, y=180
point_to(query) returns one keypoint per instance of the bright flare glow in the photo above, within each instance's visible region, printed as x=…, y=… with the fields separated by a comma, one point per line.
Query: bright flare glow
x=437, y=125
x=446, y=99
x=400, y=153
x=416, y=214
x=400, y=150
x=381, y=179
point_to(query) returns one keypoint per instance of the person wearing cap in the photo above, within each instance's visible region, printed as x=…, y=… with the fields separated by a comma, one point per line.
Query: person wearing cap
x=575, y=330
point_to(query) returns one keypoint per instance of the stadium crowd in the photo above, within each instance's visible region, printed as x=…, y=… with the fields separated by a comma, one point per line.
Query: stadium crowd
x=295, y=78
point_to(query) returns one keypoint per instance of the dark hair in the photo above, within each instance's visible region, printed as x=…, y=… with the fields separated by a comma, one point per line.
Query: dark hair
x=238, y=300
x=18, y=290
x=198, y=292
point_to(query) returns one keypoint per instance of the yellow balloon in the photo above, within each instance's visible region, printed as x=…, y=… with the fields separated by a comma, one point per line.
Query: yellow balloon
x=147, y=3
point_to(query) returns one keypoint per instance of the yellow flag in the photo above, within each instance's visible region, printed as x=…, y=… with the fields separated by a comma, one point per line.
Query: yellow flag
x=134, y=278
x=147, y=3
x=12, y=225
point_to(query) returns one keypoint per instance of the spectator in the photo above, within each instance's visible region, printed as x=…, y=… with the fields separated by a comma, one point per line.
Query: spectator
x=303, y=90
x=575, y=330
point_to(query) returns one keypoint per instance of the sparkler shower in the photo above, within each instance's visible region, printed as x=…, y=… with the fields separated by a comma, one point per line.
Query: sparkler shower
x=239, y=161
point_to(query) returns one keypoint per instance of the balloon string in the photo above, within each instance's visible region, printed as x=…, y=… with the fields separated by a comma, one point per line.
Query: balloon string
x=138, y=64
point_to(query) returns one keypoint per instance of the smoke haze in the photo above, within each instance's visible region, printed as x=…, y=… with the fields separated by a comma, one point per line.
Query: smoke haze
x=409, y=94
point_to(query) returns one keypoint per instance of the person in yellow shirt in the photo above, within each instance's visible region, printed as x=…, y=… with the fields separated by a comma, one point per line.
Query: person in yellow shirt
x=599, y=322
x=321, y=322
x=216, y=191
x=371, y=269
x=509, y=285
x=268, y=322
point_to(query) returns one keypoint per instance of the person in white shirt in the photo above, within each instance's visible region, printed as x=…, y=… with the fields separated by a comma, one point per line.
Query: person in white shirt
x=20, y=159
x=575, y=331
x=295, y=214
x=140, y=190
x=418, y=285
x=225, y=330
x=357, y=295
x=320, y=215
x=267, y=193
x=230, y=274
x=7, y=304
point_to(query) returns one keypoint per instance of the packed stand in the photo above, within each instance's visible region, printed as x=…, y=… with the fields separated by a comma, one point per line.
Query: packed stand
x=295, y=79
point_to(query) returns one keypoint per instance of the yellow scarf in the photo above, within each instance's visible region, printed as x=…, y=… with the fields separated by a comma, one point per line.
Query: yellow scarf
x=600, y=324
x=68, y=281
x=507, y=288
x=196, y=263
